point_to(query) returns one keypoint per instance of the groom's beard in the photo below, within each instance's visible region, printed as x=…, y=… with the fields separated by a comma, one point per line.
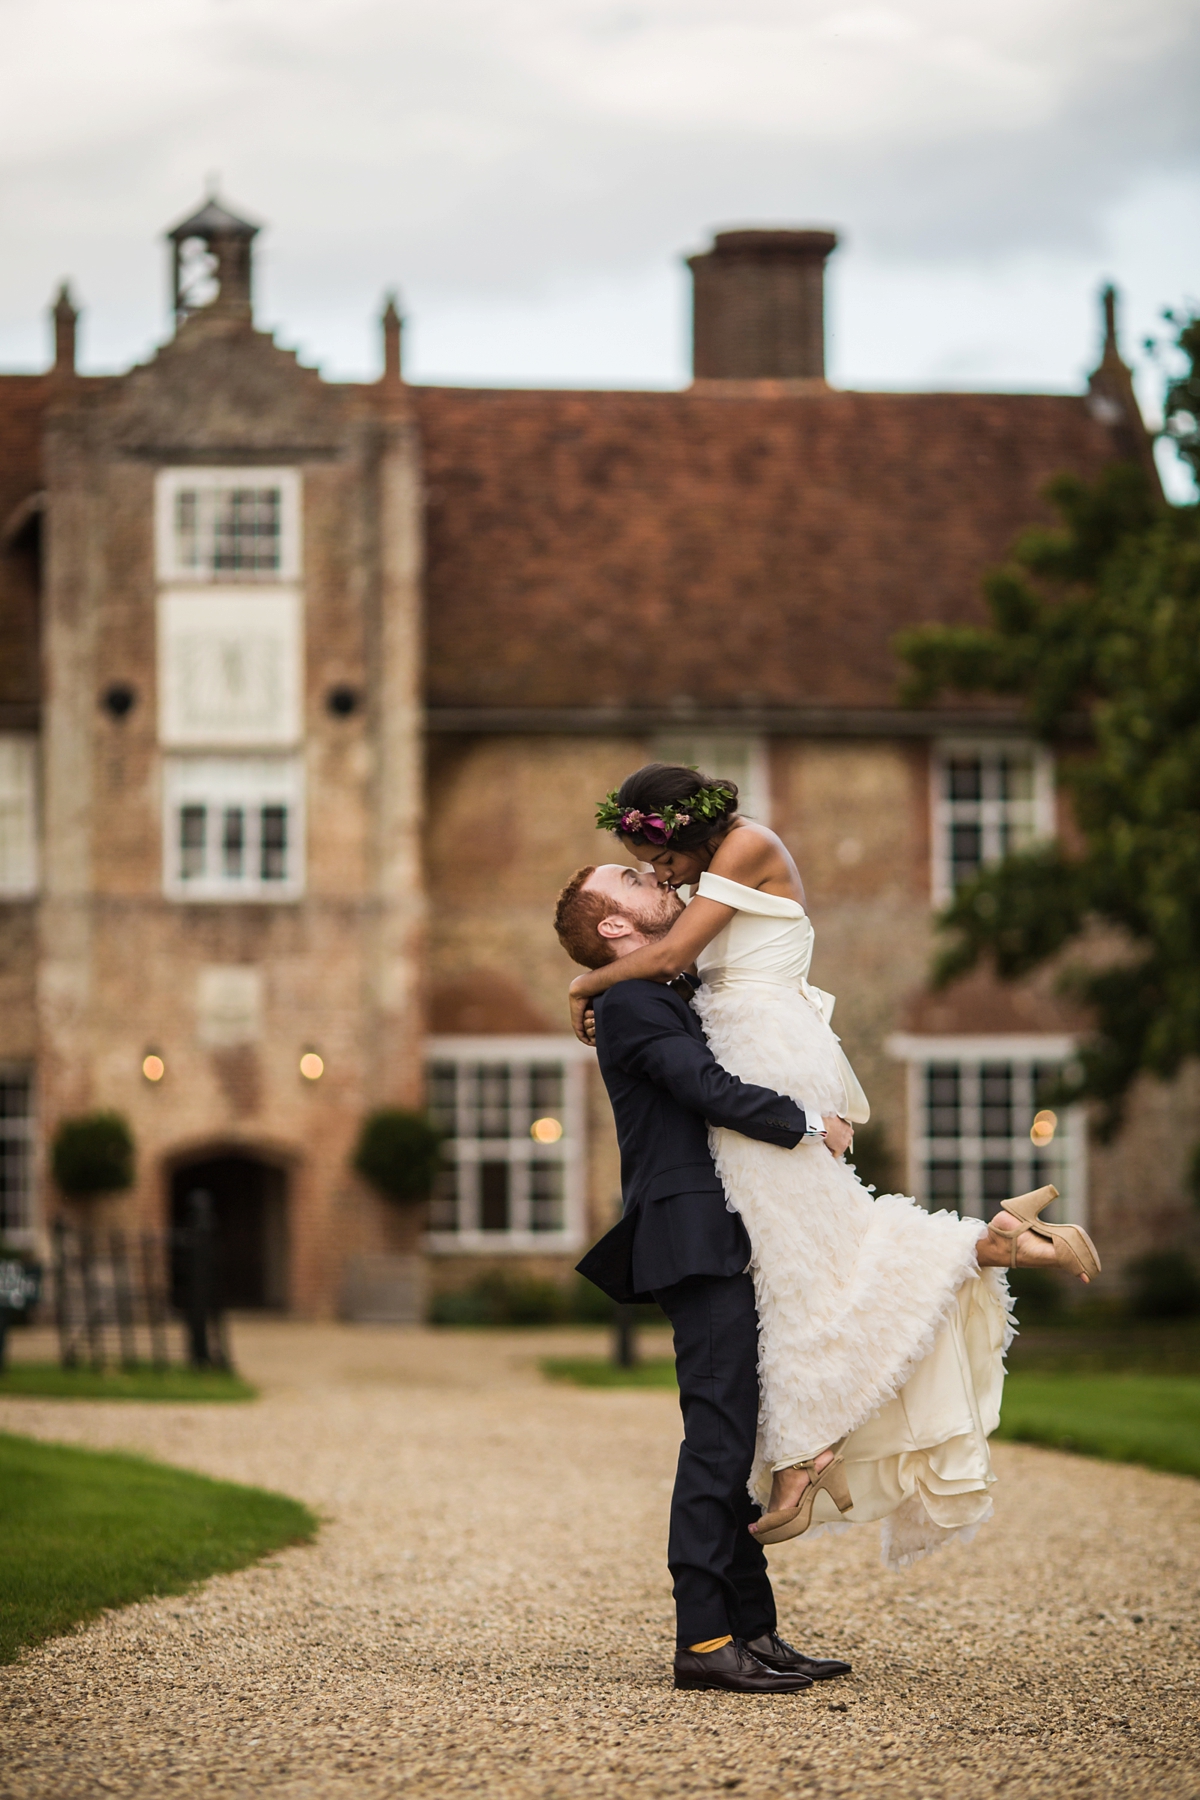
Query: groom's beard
x=660, y=914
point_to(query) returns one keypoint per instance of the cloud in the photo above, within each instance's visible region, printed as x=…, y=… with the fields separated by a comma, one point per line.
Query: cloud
x=506, y=147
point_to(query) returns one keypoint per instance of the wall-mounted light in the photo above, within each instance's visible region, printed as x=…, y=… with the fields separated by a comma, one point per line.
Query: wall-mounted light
x=1044, y=1126
x=546, y=1131
x=311, y=1066
x=153, y=1066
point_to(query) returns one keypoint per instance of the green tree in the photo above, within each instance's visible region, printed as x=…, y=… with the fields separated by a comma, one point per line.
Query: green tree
x=1096, y=627
x=1181, y=410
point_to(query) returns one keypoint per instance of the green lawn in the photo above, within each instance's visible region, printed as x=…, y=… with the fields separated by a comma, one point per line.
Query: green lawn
x=85, y=1530
x=1125, y=1418
x=50, y=1381
x=599, y=1372
x=1136, y=1418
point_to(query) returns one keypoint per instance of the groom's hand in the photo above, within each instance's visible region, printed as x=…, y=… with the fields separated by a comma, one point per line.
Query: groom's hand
x=839, y=1133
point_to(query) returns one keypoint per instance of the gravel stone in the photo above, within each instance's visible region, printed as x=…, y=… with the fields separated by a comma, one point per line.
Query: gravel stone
x=487, y=1611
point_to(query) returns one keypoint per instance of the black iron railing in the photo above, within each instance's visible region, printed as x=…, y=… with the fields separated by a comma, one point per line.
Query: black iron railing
x=136, y=1298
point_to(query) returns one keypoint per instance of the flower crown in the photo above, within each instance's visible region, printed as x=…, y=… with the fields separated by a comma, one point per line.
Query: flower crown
x=660, y=827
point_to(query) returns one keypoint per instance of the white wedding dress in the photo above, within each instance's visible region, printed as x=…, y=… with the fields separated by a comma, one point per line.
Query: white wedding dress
x=875, y=1318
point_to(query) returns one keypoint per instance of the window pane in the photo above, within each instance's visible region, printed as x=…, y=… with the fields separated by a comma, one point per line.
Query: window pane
x=15, y=1152
x=966, y=851
x=1016, y=831
x=187, y=529
x=14, y=1097
x=546, y=1194
x=943, y=1182
x=273, y=843
x=18, y=813
x=443, y=1204
x=233, y=840
x=1016, y=778
x=493, y=1196
x=192, y=824
x=443, y=1096
x=546, y=1088
x=942, y=1100
x=229, y=531
x=997, y=1185
x=492, y=1093
x=996, y=1100
x=964, y=778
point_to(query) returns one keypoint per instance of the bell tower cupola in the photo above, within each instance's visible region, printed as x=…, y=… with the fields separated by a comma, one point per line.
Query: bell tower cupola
x=211, y=263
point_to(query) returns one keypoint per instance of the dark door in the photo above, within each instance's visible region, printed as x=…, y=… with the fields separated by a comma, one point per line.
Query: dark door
x=250, y=1213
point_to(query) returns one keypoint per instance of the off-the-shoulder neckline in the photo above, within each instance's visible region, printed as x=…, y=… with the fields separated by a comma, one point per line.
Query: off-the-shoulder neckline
x=777, y=905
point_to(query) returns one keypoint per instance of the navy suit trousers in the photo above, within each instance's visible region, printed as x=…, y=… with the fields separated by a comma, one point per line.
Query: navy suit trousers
x=719, y=1571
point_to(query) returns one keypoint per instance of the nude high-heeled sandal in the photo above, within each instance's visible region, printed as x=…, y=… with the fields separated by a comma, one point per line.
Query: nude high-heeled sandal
x=792, y=1521
x=1074, y=1250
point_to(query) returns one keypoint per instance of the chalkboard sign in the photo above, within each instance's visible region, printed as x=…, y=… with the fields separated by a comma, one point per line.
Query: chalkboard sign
x=20, y=1284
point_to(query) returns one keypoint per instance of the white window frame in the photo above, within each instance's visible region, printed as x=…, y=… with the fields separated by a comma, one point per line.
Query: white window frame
x=574, y=1058
x=18, y=815
x=169, y=483
x=942, y=810
x=217, y=782
x=1070, y=1142
x=23, y=1232
x=720, y=753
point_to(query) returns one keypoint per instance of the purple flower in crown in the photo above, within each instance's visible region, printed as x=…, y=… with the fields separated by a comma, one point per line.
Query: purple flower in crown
x=655, y=829
x=631, y=823
x=682, y=819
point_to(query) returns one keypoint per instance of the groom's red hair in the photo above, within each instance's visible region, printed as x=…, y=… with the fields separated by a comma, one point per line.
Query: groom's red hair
x=576, y=917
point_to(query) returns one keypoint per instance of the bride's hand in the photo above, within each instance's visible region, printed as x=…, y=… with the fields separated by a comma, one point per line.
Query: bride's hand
x=583, y=1019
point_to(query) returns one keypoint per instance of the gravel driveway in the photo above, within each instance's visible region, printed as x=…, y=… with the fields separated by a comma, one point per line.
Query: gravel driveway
x=487, y=1611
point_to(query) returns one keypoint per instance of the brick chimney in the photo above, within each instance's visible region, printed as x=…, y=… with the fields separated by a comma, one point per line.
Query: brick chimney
x=65, y=316
x=758, y=306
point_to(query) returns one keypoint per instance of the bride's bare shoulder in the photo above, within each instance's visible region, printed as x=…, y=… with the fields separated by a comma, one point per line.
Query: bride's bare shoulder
x=753, y=855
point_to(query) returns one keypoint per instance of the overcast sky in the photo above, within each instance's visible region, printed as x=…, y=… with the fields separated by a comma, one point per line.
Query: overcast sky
x=529, y=173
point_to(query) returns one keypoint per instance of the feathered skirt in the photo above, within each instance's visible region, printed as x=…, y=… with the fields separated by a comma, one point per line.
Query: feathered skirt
x=875, y=1319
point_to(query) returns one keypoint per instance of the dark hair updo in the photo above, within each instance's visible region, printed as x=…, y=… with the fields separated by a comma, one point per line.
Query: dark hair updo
x=656, y=785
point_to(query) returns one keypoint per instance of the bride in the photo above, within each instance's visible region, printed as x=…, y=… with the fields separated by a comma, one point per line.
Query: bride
x=882, y=1327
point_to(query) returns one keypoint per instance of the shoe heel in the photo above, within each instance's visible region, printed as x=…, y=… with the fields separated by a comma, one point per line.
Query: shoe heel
x=834, y=1482
x=1074, y=1250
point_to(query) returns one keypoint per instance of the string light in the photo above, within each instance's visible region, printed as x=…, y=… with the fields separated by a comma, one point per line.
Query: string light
x=153, y=1067
x=311, y=1066
x=546, y=1131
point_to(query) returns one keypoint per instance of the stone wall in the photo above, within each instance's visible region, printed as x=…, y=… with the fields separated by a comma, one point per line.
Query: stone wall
x=123, y=970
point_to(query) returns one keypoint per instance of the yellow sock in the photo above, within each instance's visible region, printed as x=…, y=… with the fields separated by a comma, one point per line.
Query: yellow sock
x=712, y=1644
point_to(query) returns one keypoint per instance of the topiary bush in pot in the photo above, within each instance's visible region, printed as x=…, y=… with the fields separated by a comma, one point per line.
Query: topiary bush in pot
x=93, y=1154
x=399, y=1152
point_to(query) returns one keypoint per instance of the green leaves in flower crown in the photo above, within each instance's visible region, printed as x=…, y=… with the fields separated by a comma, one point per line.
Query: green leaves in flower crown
x=659, y=827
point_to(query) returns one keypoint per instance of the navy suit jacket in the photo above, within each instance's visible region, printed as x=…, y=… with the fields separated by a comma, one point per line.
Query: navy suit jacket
x=666, y=1088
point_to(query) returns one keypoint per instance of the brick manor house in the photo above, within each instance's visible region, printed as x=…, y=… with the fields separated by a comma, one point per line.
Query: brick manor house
x=307, y=690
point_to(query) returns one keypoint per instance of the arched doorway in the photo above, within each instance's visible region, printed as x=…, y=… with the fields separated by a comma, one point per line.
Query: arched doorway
x=249, y=1202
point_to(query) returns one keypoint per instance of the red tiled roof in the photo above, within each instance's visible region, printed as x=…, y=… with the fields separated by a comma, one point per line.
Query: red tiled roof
x=608, y=549
x=22, y=404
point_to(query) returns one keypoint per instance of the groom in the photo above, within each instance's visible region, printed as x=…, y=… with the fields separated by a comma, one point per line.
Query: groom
x=679, y=1244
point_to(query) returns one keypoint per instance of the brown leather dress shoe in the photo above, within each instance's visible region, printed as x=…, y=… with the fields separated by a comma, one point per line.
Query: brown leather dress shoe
x=776, y=1653
x=733, y=1669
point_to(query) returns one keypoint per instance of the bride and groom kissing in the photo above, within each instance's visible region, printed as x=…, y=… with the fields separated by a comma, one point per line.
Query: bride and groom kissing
x=839, y=1353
